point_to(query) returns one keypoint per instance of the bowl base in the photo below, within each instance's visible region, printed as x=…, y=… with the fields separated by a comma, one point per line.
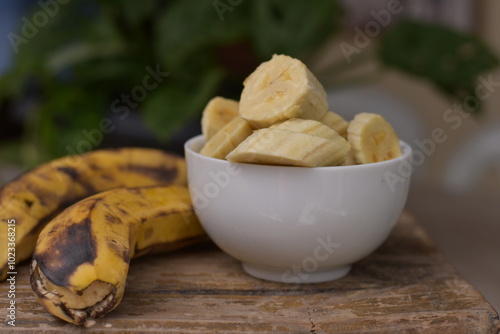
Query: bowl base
x=296, y=277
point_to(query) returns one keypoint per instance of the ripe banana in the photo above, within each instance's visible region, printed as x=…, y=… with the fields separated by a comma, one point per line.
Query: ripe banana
x=336, y=122
x=284, y=147
x=37, y=196
x=308, y=126
x=372, y=139
x=280, y=89
x=217, y=113
x=224, y=141
x=80, y=264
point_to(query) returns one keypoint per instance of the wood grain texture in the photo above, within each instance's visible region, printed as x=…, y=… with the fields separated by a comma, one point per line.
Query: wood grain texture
x=465, y=227
x=406, y=286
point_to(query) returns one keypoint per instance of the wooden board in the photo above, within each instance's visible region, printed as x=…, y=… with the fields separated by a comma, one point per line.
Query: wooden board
x=406, y=286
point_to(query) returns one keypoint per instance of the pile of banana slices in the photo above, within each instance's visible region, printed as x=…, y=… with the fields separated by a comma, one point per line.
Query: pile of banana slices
x=282, y=118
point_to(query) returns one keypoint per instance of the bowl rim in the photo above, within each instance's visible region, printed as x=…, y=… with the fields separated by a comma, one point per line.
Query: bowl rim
x=406, y=151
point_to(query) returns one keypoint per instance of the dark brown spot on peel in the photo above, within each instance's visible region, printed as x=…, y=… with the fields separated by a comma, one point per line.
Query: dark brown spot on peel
x=164, y=213
x=43, y=176
x=164, y=174
x=126, y=256
x=75, y=176
x=136, y=191
x=107, y=177
x=88, y=187
x=71, y=172
x=74, y=246
x=94, y=167
x=142, y=205
x=148, y=233
x=120, y=250
x=112, y=219
x=122, y=211
x=45, y=196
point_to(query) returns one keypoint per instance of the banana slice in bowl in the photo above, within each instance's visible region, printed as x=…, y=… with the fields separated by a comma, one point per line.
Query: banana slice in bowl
x=280, y=89
x=218, y=112
x=290, y=148
x=372, y=138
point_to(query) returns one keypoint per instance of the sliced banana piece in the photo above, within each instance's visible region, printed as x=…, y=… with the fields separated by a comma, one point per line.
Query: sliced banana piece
x=372, y=139
x=227, y=138
x=349, y=161
x=284, y=147
x=280, y=89
x=336, y=122
x=218, y=112
x=309, y=126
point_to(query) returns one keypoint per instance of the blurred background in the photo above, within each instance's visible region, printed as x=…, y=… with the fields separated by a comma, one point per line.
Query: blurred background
x=81, y=75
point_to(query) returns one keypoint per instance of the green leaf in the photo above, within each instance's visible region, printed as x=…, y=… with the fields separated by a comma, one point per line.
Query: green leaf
x=293, y=27
x=188, y=27
x=69, y=121
x=451, y=60
x=93, y=50
x=174, y=103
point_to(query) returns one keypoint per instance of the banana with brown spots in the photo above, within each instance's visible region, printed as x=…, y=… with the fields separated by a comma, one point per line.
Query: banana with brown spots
x=80, y=264
x=37, y=196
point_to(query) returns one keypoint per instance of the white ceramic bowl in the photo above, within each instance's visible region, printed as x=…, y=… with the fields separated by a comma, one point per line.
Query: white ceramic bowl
x=297, y=224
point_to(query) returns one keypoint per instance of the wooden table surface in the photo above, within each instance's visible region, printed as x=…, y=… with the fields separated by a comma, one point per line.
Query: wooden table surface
x=465, y=228
x=406, y=286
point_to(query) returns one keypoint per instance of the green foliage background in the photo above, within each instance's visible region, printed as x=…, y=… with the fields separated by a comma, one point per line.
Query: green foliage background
x=92, y=51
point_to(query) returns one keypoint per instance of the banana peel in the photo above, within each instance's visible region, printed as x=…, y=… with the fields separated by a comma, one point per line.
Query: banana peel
x=81, y=260
x=33, y=199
